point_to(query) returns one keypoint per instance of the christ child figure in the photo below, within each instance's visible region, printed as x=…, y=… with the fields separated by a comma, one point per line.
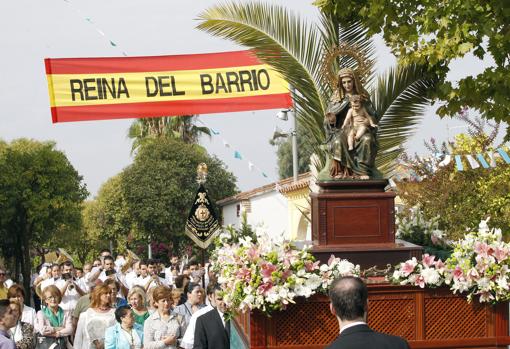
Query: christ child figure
x=359, y=120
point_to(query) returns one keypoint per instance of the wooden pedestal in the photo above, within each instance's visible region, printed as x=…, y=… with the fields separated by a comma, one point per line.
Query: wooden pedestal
x=356, y=220
x=427, y=318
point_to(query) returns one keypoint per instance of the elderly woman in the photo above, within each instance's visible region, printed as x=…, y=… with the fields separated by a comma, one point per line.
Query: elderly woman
x=137, y=298
x=162, y=329
x=126, y=334
x=22, y=333
x=53, y=322
x=93, y=323
x=17, y=293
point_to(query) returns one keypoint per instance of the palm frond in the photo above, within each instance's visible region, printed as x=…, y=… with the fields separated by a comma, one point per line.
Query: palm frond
x=400, y=99
x=282, y=40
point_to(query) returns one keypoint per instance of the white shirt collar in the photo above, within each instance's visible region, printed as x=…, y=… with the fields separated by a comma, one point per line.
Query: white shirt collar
x=352, y=324
x=221, y=317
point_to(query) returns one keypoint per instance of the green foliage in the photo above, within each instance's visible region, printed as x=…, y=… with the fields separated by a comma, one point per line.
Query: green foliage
x=433, y=33
x=295, y=49
x=40, y=199
x=462, y=199
x=106, y=219
x=284, y=155
x=159, y=187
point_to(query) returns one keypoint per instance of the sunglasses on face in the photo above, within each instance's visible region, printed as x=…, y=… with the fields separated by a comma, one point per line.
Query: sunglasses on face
x=2, y=274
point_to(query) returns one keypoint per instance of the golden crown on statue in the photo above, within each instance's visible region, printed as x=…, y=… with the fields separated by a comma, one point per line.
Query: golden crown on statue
x=362, y=69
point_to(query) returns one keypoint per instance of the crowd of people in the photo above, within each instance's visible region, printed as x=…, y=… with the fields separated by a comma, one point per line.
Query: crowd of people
x=128, y=304
x=116, y=303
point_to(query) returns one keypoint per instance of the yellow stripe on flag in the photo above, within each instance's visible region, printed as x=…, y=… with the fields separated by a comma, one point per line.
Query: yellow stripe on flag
x=100, y=89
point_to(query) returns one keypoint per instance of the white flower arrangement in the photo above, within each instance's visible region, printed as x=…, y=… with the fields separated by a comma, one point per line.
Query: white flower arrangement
x=268, y=274
x=478, y=267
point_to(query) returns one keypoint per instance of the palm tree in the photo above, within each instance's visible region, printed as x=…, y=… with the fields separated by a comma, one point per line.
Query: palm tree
x=181, y=127
x=296, y=49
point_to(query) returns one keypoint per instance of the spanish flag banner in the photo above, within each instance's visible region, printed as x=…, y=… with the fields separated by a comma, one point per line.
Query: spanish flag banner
x=84, y=89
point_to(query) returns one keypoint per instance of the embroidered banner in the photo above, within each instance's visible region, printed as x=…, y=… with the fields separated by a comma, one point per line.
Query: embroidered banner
x=84, y=89
x=202, y=225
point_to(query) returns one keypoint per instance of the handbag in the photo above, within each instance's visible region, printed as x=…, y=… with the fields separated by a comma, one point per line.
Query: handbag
x=43, y=342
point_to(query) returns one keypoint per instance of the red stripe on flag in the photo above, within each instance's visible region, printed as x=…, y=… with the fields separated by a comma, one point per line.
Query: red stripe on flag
x=104, y=65
x=169, y=108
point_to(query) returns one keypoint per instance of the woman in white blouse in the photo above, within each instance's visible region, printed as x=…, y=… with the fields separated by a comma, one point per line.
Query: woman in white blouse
x=92, y=324
x=16, y=293
x=163, y=330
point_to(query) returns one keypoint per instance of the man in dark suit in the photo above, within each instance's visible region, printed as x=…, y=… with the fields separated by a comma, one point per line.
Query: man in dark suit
x=212, y=331
x=349, y=303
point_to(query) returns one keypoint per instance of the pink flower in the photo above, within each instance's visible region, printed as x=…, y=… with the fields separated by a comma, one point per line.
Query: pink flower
x=428, y=260
x=244, y=274
x=265, y=288
x=439, y=265
x=457, y=273
x=473, y=274
x=408, y=267
x=309, y=266
x=482, y=249
x=486, y=297
x=501, y=253
x=266, y=270
x=420, y=281
x=331, y=259
x=253, y=253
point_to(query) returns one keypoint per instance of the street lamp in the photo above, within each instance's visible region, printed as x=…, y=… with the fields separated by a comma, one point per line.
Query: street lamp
x=283, y=115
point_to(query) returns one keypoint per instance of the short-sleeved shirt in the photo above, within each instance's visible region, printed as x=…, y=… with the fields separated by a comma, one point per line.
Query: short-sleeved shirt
x=3, y=292
x=81, y=306
x=5, y=341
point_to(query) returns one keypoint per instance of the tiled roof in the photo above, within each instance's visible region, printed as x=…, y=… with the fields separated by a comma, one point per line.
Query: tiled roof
x=284, y=184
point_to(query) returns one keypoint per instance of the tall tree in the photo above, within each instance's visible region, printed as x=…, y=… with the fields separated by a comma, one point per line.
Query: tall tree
x=284, y=155
x=296, y=49
x=108, y=218
x=183, y=127
x=159, y=187
x=434, y=33
x=40, y=198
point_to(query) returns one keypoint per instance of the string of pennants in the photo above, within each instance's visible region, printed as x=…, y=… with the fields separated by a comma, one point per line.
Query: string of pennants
x=484, y=160
x=236, y=153
x=96, y=28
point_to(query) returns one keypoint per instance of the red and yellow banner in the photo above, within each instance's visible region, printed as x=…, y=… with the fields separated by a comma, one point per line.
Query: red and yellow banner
x=84, y=89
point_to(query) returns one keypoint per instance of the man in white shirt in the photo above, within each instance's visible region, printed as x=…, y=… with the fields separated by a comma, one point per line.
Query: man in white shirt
x=155, y=279
x=144, y=276
x=131, y=276
x=69, y=288
x=52, y=278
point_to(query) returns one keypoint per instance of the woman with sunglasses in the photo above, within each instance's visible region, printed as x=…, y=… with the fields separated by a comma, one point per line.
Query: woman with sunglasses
x=126, y=333
x=53, y=324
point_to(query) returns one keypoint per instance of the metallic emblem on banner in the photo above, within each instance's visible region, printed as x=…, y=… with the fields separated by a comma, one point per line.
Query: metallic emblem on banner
x=202, y=224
